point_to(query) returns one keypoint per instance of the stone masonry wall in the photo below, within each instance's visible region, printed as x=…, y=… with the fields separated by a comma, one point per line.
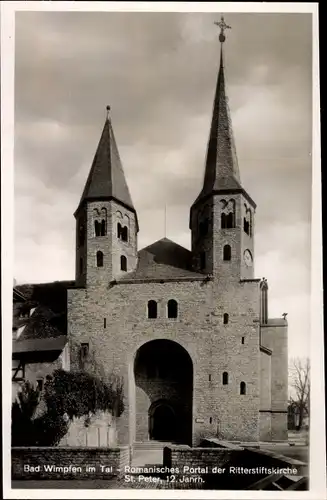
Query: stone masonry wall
x=265, y=397
x=212, y=243
x=274, y=336
x=80, y=463
x=198, y=457
x=111, y=247
x=212, y=346
x=100, y=432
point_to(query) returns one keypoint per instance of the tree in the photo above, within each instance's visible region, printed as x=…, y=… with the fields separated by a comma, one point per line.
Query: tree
x=22, y=414
x=300, y=383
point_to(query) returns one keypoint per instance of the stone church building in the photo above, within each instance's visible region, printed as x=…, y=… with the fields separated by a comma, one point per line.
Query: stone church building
x=188, y=330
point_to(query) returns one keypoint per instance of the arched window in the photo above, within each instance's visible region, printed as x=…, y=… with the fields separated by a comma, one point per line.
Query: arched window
x=99, y=259
x=247, y=221
x=242, y=388
x=123, y=263
x=124, y=233
x=152, y=309
x=103, y=228
x=227, y=214
x=119, y=230
x=226, y=318
x=230, y=220
x=97, y=228
x=227, y=252
x=225, y=378
x=246, y=226
x=172, y=307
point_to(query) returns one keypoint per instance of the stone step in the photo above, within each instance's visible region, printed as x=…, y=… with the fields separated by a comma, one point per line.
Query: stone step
x=150, y=445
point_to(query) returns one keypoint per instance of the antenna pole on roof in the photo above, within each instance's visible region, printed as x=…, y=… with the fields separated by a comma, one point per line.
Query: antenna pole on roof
x=165, y=220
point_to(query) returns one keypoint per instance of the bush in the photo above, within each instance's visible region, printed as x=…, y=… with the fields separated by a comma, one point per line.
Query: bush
x=66, y=395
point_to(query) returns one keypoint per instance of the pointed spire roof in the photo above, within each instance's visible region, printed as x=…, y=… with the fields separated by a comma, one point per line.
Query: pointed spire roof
x=106, y=179
x=221, y=167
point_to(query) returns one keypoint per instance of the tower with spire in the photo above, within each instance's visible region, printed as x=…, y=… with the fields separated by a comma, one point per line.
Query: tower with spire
x=187, y=331
x=222, y=216
x=106, y=220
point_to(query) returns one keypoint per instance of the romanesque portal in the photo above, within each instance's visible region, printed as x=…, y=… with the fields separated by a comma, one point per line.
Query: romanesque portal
x=163, y=373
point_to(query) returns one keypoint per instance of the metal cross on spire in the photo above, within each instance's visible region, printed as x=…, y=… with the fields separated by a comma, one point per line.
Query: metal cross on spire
x=223, y=26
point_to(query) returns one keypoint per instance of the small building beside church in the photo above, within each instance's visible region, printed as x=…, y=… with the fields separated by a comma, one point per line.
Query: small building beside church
x=187, y=330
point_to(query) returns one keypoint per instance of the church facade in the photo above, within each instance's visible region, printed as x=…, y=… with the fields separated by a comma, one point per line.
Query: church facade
x=187, y=330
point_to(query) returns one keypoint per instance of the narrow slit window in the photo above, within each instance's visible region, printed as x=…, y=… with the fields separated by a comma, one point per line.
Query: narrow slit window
x=99, y=259
x=246, y=226
x=84, y=351
x=230, y=220
x=243, y=388
x=124, y=233
x=225, y=378
x=227, y=252
x=104, y=322
x=83, y=354
x=209, y=378
x=226, y=318
x=119, y=230
x=242, y=340
x=103, y=228
x=210, y=420
x=123, y=263
x=97, y=228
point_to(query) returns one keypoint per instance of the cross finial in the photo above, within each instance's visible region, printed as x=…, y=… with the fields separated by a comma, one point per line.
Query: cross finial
x=108, y=111
x=223, y=26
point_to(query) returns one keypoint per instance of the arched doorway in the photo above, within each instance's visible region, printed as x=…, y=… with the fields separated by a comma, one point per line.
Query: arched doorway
x=163, y=372
x=163, y=422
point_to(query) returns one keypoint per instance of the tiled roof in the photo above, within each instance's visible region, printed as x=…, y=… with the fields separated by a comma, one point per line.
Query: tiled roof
x=49, y=318
x=43, y=323
x=53, y=295
x=163, y=259
x=221, y=169
x=18, y=296
x=106, y=179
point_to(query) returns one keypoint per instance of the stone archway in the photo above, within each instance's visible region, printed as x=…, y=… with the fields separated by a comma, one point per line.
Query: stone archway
x=163, y=372
x=163, y=421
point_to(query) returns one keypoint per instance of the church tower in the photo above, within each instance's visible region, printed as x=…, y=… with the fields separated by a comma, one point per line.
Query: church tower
x=222, y=216
x=106, y=220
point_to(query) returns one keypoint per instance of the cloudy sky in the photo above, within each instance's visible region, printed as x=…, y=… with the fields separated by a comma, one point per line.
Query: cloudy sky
x=158, y=73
